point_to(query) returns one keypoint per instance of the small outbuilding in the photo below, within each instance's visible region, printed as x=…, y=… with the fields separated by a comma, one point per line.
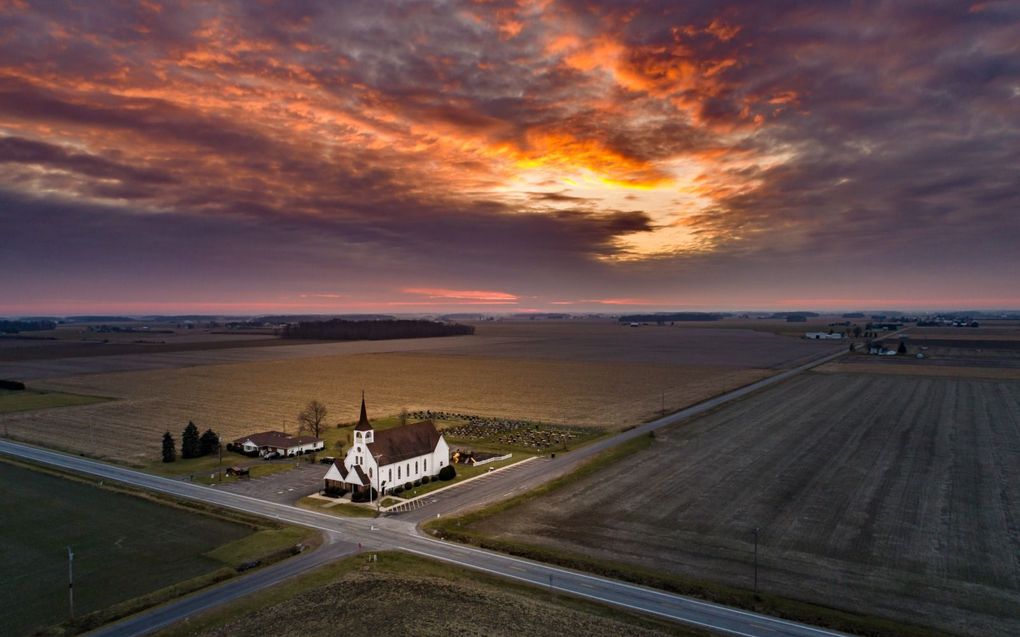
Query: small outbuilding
x=268, y=442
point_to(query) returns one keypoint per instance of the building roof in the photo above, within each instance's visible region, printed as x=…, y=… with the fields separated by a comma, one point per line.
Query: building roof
x=401, y=443
x=277, y=439
x=337, y=471
x=363, y=424
x=357, y=471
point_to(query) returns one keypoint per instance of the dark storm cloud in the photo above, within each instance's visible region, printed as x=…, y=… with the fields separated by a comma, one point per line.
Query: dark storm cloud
x=334, y=133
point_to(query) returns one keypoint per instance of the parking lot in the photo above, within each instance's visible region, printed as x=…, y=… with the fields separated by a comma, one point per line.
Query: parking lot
x=286, y=487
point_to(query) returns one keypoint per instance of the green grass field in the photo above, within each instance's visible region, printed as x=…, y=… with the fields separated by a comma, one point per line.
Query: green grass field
x=124, y=547
x=30, y=399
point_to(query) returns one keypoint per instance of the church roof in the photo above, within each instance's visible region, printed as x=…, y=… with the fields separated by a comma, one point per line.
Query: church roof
x=363, y=478
x=363, y=424
x=337, y=471
x=402, y=443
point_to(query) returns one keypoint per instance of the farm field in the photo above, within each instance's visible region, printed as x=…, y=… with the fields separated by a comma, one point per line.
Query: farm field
x=30, y=399
x=124, y=546
x=405, y=595
x=886, y=495
x=242, y=398
x=593, y=373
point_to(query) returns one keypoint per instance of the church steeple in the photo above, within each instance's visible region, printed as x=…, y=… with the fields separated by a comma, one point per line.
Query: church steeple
x=363, y=424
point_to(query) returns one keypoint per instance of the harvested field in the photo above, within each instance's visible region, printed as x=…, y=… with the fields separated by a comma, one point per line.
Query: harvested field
x=582, y=373
x=241, y=398
x=887, y=495
x=275, y=350
x=124, y=547
x=579, y=341
x=608, y=341
x=402, y=595
x=31, y=399
x=919, y=369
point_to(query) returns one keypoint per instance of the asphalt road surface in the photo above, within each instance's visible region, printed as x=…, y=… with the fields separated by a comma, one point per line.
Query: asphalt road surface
x=349, y=534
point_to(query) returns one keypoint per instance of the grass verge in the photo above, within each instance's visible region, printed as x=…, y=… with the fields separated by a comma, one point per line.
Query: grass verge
x=342, y=510
x=458, y=529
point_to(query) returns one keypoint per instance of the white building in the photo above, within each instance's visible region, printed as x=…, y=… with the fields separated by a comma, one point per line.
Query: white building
x=284, y=444
x=823, y=336
x=390, y=457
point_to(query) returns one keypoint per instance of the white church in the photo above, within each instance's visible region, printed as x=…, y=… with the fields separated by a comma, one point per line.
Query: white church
x=390, y=457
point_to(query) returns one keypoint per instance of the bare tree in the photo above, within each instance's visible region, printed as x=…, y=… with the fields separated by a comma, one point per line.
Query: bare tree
x=312, y=418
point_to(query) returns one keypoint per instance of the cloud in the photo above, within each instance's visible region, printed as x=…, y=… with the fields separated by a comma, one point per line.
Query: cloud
x=475, y=296
x=564, y=150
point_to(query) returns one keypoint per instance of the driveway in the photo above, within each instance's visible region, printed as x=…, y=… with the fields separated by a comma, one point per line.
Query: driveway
x=286, y=487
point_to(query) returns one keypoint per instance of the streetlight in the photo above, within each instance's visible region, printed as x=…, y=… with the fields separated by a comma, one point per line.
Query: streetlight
x=378, y=478
x=755, y=532
x=378, y=502
x=70, y=580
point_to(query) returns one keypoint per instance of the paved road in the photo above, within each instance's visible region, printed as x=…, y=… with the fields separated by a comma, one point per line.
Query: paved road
x=400, y=533
x=206, y=599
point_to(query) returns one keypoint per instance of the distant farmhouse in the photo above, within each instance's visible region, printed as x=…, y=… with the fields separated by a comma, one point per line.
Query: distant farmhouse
x=384, y=459
x=277, y=442
x=823, y=335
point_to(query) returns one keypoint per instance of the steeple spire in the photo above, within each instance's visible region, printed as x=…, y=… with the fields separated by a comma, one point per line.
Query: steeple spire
x=363, y=423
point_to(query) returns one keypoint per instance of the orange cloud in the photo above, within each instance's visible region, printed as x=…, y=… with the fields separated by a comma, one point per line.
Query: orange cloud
x=486, y=296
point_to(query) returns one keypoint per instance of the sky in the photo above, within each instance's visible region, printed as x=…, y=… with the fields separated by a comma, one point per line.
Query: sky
x=508, y=156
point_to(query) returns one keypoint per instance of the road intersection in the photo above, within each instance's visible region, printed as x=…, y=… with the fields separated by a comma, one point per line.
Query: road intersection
x=349, y=535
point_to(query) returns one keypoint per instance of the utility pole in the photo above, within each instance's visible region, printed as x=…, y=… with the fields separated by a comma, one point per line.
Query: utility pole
x=755, y=532
x=70, y=580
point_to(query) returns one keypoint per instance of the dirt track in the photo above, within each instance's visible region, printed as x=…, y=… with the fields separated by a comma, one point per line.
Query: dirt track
x=888, y=495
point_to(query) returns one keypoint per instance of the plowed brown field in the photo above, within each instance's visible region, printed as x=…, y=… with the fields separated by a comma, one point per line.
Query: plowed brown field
x=889, y=495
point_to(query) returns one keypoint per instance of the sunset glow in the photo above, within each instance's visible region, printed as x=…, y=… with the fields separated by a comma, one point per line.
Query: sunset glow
x=237, y=157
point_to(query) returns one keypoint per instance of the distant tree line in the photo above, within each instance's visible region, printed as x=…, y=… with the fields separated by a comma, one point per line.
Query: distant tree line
x=669, y=317
x=13, y=327
x=794, y=315
x=15, y=385
x=339, y=329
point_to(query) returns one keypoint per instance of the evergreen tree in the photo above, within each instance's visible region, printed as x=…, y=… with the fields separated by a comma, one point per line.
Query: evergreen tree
x=902, y=349
x=169, y=450
x=208, y=443
x=189, y=441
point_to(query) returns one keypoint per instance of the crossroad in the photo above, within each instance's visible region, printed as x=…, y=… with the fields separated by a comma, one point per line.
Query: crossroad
x=349, y=535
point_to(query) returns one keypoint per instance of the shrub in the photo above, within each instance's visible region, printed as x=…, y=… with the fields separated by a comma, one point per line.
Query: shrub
x=408, y=486
x=397, y=489
x=363, y=496
x=447, y=473
x=335, y=492
x=417, y=483
x=425, y=479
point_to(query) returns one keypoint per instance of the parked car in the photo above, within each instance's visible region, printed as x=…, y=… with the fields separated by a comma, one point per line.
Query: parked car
x=272, y=455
